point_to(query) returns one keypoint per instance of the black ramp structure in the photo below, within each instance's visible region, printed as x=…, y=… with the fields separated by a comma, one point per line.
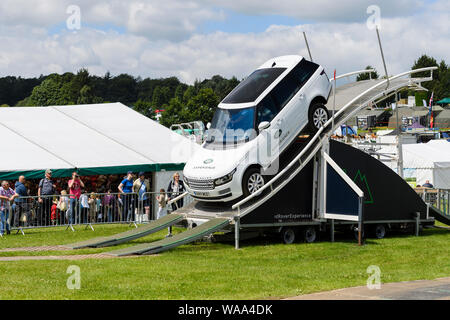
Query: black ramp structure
x=139, y=232
x=291, y=204
x=386, y=195
x=179, y=239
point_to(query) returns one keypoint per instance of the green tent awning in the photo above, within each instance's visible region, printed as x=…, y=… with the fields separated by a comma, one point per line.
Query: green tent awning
x=445, y=100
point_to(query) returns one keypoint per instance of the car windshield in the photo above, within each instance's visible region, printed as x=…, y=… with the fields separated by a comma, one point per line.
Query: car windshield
x=252, y=87
x=232, y=125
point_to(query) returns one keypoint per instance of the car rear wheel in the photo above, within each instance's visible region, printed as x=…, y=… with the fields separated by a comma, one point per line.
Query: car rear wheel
x=318, y=116
x=253, y=181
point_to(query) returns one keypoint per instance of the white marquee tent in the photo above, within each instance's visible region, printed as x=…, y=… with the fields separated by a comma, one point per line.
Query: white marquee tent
x=428, y=161
x=424, y=161
x=94, y=139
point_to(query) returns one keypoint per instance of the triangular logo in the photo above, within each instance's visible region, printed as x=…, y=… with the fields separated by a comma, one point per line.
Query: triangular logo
x=361, y=182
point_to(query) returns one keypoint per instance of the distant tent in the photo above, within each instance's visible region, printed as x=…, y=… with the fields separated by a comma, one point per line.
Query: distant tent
x=443, y=119
x=444, y=101
x=345, y=130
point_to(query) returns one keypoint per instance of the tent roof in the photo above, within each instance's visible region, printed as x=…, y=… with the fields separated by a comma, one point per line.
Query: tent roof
x=97, y=138
x=445, y=114
x=426, y=155
x=445, y=100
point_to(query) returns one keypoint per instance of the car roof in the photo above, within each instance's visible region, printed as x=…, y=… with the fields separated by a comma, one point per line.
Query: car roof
x=288, y=62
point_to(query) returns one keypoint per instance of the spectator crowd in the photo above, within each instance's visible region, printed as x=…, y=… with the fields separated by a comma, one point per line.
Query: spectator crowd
x=67, y=200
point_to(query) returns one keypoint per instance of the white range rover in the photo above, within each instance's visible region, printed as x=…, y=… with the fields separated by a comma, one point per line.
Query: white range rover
x=254, y=124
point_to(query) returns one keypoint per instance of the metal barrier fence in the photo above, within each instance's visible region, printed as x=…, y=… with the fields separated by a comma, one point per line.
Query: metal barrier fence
x=439, y=198
x=91, y=208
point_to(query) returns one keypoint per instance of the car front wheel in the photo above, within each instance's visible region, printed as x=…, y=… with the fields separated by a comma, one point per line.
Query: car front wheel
x=253, y=181
x=318, y=116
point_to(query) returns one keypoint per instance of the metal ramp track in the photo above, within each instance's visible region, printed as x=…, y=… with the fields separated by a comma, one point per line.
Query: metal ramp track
x=439, y=215
x=179, y=239
x=139, y=232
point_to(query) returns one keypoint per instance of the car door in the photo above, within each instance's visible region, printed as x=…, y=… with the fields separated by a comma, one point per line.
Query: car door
x=292, y=97
x=268, y=140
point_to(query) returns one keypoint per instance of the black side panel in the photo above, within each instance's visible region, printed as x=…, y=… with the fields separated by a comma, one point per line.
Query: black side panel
x=386, y=195
x=341, y=199
x=293, y=203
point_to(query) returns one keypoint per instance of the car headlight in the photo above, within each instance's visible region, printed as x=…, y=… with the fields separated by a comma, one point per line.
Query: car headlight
x=224, y=179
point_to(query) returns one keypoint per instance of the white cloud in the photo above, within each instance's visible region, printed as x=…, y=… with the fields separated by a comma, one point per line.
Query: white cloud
x=322, y=10
x=30, y=51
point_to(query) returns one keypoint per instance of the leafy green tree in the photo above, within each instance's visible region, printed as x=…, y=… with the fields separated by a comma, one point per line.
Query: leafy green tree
x=4, y=105
x=145, y=108
x=123, y=89
x=367, y=76
x=201, y=106
x=172, y=113
x=50, y=92
x=87, y=96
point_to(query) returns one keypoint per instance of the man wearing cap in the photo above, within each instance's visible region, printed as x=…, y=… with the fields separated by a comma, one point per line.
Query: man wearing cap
x=141, y=186
x=46, y=189
x=126, y=187
x=18, y=207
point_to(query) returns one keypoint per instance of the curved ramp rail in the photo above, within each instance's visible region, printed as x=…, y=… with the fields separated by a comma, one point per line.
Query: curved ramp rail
x=353, y=106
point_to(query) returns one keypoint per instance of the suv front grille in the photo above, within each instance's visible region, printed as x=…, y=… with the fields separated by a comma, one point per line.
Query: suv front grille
x=200, y=184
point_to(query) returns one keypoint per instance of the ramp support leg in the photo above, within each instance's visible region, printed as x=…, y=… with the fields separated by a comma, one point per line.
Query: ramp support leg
x=332, y=230
x=236, y=232
x=417, y=223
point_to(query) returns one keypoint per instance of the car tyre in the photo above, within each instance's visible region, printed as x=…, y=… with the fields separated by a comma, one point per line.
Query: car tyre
x=318, y=116
x=252, y=181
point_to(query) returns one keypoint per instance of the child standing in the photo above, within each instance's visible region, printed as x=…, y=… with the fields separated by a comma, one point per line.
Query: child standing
x=84, y=203
x=54, y=213
x=162, y=208
x=92, y=207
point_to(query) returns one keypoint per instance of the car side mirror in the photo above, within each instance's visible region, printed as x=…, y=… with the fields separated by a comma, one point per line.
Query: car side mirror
x=263, y=125
x=208, y=125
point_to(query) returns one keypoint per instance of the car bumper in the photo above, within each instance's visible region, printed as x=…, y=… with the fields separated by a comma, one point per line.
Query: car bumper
x=226, y=192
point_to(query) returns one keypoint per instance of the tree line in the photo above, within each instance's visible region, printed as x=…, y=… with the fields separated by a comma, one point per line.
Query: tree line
x=181, y=102
x=439, y=86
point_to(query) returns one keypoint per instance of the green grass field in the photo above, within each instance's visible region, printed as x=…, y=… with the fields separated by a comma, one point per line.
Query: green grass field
x=261, y=269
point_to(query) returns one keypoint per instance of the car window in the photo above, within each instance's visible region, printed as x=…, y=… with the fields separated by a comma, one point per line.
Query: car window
x=267, y=110
x=293, y=82
x=252, y=87
x=232, y=125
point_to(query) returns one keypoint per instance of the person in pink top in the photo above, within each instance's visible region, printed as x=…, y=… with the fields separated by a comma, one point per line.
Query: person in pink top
x=75, y=185
x=7, y=195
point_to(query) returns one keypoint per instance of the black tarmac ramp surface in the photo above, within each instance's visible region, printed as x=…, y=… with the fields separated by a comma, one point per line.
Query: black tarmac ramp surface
x=135, y=233
x=439, y=215
x=179, y=239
